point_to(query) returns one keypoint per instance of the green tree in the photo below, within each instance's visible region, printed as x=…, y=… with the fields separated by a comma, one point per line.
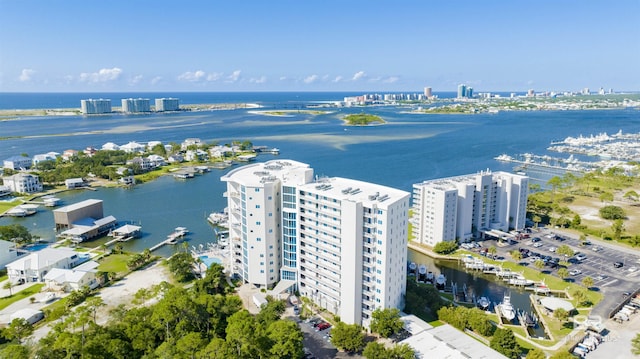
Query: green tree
x=445, y=247
x=401, y=351
x=348, y=337
x=563, y=273
x=565, y=250
x=516, y=255
x=561, y=314
x=612, y=212
x=562, y=355
x=536, y=353
x=503, y=341
x=606, y=197
x=18, y=330
x=635, y=345
x=243, y=335
x=16, y=233
x=8, y=285
x=587, y=282
x=386, y=322
x=285, y=339
x=577, y=221
x=631, y=195
x=555, y=182
x=375, y=350
x=492, y=250
x=190, y=344
x=617, y=228
x=539, y=264
x=180, y=265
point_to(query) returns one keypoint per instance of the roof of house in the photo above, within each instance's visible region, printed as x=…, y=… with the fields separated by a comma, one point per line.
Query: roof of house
x=73, y=275
x=42, y=258
x=553, y=303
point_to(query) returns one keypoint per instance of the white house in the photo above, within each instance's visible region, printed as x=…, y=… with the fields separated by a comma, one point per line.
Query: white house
x=133, y=147
x=72, y=183
x=5, y=191
x=31, y=315
x=7, y=253
x=175, y=158
x=191, y=142
x=152, y=144
x=17, y=163
x=156, y=160
x=73, y=279
x=33, y=267
x=49, y=156
x=23, y=183
x=110, y=146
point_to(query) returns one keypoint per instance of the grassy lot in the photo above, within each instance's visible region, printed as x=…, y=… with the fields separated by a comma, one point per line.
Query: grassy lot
x=5, y=206
x=26, y=293
x=114, y=263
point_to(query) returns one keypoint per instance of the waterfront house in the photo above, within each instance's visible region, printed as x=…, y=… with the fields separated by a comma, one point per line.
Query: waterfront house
x=191, y=142
x=123, y=171
x=18, y=163
x=110, y=146
x=83, y=220
x=220, y=151
x=72, y=183
x=23, y=183
x=71, y=279
x=156, y=161
x=175, y=158
x=133, y=147
x=152, y=144
x=142, y=163
x=49, y=156
x=33, y=267
x=8, y=253
x=69, y=155
x=32, y=316
x=90, y=151
x=127, y=180
x=196, y=155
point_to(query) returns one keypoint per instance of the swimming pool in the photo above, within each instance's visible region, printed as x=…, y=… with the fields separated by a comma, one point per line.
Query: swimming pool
x=210, y=260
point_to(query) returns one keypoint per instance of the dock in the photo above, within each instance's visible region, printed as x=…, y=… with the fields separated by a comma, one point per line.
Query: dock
x=172, y=238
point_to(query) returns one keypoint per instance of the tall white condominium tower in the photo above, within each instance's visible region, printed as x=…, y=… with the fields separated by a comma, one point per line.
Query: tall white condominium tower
x=340, y=242
x=167, y=104
x=132, y=105
x=459, y=208
x=93, y=106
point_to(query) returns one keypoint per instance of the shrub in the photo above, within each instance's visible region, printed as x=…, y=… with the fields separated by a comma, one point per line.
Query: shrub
x=612, y=212
x=445, y=247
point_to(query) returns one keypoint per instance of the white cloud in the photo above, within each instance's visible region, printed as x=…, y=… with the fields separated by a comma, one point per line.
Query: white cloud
x=214, y=76
x=196, y=76
x=156, y=80
x=283, y=78
x=103, y=75
x=259, y=80
x=358, y=75
x=235, y=76
x=337, y=79
x=310, y=79
x=391, y=79
x=136, y=79
x=26, y=74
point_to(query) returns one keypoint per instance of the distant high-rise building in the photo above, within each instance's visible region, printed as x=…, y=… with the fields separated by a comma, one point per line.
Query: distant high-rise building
x=585, y=91
x=459, y=208
x=462, y=91
x=427, y=92
x=132, y=105
x=167, y=104
x=342, y=243
x=92, y=106
x=469, y=92
x=531, y=93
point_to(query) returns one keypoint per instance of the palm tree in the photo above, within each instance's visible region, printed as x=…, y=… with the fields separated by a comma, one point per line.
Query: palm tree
x=493, y=250
x=563, y=273
x=8, y=285
x=587, y=282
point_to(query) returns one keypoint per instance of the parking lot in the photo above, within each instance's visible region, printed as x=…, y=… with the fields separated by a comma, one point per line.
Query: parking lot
x=597, y=264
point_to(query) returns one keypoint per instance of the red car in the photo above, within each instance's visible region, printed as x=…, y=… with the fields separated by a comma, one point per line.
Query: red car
x=323, y=326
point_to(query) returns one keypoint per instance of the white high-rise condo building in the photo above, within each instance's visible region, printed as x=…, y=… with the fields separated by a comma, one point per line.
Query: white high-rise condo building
x=132, y=105
x=93, y=106
x=459, y=208
x=340, y=242
x=167, y=104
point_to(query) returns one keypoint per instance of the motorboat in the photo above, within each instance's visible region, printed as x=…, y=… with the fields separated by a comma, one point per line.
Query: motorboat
x=422, y=273
x=412, y=267
x=507, y=309
x=484, y=302
x=441, y=280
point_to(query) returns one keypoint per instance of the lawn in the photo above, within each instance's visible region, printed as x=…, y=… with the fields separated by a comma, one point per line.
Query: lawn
x=114, y=263
x=5, y=206
x=26, y=293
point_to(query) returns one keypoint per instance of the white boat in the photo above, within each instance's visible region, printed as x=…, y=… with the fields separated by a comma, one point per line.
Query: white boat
x=484, y=302
x=178, y=232
x=507, y=309
x=422, y=273
x=412, y=267
x=441, y=280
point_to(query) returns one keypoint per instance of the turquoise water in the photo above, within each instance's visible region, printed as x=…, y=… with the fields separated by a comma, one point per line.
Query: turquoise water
x=208, y=261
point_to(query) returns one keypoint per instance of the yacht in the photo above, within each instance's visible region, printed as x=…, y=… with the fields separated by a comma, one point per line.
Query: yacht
x=507, y=309
x=178, y=232
x=422, y=273
x=484, y=302
x=412, y=267
x=441, y=280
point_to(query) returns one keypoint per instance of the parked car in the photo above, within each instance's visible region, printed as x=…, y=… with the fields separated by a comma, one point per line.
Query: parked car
x=575, y=272
x=552, y=249
x=296, y=310
x=596, y=248
x=322, y=326
x=618, y=264
x=581, y=257
x=537, y=244
x=535, y=239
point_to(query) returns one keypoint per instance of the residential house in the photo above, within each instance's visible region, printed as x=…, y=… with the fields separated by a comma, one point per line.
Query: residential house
x=33, y=267
x=90, y=151
x=7, y=253
x=17, y=163
x=110, y=146
x=143, y=163
x=133, y=147
x=175, y=158
x=49, y=156
x=191, y=142
x=127, y=180
x=195, y=155
x=23, y=183
x=152, y=144
x=74, y=278
x=69, y=155
x=220, y=151
x=5, y=191
x=156, y=160
x=72, y=183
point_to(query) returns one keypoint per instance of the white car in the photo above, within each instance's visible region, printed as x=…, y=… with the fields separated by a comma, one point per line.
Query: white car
x=537, y=245
x=552, y=249
x=632, y=269
x=575, y=272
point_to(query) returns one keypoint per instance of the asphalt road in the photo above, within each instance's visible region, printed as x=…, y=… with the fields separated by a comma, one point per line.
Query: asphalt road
x=598, y=265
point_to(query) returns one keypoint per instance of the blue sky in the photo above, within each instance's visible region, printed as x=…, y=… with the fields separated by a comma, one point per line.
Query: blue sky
x=306, y=45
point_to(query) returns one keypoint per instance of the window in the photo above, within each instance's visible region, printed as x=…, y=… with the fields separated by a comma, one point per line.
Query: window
x=257, y=189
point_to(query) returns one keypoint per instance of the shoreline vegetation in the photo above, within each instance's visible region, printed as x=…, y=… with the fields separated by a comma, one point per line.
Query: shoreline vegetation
x=363, y=119
x=289, y=113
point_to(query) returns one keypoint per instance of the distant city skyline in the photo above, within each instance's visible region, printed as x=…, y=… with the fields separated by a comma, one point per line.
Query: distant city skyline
x=160, y=46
